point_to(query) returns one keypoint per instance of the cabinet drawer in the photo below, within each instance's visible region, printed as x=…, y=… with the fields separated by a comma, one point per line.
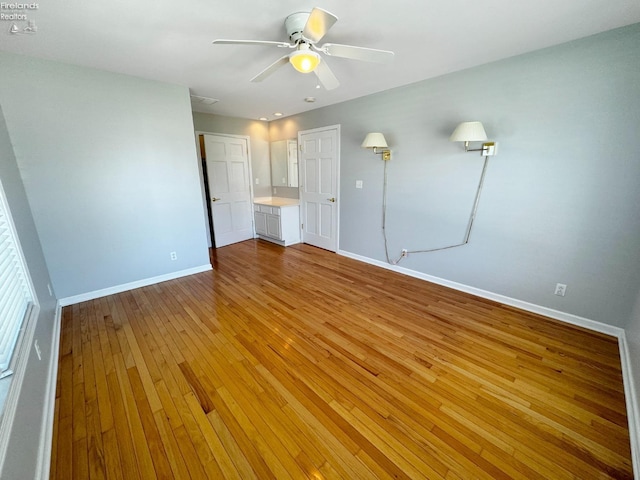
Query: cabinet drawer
x=257, y=207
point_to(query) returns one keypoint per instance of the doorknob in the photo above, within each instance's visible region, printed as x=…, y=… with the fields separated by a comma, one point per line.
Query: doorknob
x=332, y=199
x=214, y=199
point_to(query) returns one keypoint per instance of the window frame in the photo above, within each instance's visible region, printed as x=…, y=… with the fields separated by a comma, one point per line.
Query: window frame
x=20, y=355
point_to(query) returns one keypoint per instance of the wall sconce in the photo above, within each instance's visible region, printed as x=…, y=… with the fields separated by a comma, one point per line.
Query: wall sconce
x=473, y=132
x=376, y=140
x=465, y=132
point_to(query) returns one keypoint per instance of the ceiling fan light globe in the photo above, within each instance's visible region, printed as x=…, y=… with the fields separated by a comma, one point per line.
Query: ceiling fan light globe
x=304, y=61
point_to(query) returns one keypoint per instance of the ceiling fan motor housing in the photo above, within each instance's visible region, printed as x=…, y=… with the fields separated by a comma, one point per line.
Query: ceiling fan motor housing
x=304, y=30
x=294, y=25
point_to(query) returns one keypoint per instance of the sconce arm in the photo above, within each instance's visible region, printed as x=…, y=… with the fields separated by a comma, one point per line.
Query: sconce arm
x=488, y=149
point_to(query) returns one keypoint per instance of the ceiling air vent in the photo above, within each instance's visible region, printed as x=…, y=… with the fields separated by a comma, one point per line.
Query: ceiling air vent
x=203, y=100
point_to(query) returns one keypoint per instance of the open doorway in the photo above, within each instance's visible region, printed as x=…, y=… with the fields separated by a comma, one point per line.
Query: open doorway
x=226, y=173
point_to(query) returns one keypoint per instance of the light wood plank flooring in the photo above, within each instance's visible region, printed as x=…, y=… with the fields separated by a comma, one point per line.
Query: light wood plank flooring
x=299, y=363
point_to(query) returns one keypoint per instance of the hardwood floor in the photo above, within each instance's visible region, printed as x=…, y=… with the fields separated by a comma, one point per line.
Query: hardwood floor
x=298, y=363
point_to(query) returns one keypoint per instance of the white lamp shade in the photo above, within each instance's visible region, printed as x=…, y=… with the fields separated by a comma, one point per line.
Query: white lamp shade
x=469, y=132
x=374, y=140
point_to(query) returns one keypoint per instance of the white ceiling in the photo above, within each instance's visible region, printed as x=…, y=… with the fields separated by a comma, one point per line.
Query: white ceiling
x=170, y=41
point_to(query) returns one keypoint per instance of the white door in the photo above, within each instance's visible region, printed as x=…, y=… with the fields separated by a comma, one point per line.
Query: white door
x=319, y=164
x=229, y=188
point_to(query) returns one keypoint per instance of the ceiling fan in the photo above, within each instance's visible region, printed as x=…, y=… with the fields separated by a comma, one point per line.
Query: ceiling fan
x=305, y=29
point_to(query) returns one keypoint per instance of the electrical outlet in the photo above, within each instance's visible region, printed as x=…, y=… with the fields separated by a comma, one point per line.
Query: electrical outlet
x=173, y=255
x=275, y=190
x=358, y=183
x=561, y=289
x=257, y=181
x=405, y=253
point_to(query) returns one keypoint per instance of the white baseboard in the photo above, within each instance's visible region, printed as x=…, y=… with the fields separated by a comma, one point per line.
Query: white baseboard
x=631, y=393
x=631, y=398
x=84, y=297
x=46, y=431
x=514, y=302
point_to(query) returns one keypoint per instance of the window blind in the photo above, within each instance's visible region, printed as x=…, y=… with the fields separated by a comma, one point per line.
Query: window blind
x=15, y=293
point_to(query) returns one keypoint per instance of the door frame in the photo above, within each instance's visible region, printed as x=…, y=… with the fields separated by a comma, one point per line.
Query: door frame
x=339, y=196
x=205, y=200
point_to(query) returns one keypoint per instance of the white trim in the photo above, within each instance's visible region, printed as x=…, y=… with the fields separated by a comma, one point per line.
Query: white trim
x=22, y=349
x=23, y=352
x=282, y=243
x=631, y=399
x=46, y=430
x=84, y=297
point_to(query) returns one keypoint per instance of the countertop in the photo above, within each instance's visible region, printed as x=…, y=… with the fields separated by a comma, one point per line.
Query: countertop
x=276, y=201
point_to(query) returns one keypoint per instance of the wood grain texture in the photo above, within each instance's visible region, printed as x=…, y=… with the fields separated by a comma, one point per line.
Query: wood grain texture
x=299, y=363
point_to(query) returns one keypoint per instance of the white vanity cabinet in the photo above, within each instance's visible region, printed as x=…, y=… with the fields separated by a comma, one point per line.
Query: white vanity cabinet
x=277, y=220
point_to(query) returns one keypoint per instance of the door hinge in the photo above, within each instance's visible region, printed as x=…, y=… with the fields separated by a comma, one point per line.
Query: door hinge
x=302, y=226
x=301, y=148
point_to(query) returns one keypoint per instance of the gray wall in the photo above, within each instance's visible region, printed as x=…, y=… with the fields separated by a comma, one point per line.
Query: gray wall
x=23, y=445
x=110, y=169
x=560, y=202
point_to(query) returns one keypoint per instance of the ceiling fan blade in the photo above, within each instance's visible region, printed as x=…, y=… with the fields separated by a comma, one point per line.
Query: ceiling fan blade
x=357, y=53
x=318, y=24
x=326, y=76
x=252, y=42
x=271, y=68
